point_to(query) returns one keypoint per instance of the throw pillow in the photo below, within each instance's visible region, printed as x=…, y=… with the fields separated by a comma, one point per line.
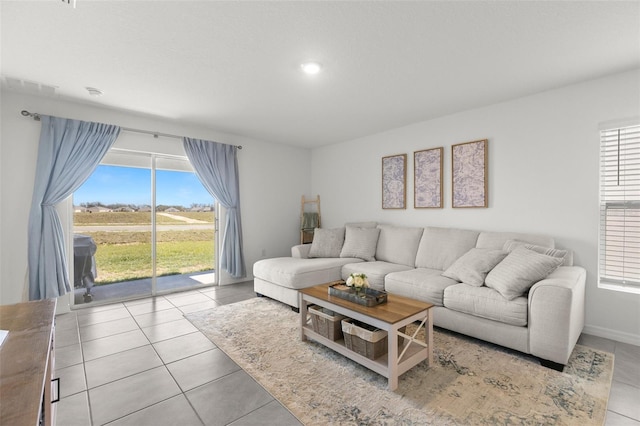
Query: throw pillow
x=360, y=243
x=511, y=245
x=520, y=270
x=327, y=242
x=473, y=266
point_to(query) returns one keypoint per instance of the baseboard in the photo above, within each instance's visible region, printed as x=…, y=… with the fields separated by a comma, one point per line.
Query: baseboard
x=607, y=333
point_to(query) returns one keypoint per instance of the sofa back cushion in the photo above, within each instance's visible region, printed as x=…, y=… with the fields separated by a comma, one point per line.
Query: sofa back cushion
x=362, y=224
x=496, y=240
x=398, y=244
x=440, y=247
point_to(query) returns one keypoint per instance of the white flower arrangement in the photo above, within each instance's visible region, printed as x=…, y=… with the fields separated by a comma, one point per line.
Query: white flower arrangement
x=358, y=281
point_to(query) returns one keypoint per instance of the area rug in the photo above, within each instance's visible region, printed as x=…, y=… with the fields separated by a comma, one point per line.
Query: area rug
x=469, y=383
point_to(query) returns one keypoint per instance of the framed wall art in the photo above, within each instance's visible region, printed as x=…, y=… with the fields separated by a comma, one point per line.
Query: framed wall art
x=469, y=174
x=427, y=178
x=394, y=177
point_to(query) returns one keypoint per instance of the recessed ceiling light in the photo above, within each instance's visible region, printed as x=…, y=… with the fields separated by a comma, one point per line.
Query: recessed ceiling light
x=311, y=68
x=93, y=91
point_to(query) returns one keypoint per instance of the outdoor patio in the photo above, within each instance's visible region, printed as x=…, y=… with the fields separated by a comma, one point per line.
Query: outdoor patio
x=108, y=293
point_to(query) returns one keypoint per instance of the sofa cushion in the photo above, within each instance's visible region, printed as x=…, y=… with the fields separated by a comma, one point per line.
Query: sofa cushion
x=519, y=271
x=398, y=244
x=375, y=271
x=362, y=224
x=486, y=303
x=298, y=273
x=496, y=240
x=360, y=243
x=327, y=242
x=567, y=258
x=301, y=251
x=472, y=268
x=421, y=284
x=440, y=247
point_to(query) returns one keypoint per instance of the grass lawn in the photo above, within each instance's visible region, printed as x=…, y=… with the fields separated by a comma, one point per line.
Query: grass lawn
x=135, y=218
x=203, y=216
x=124, y=255
x=123, y=262
x=144, y=237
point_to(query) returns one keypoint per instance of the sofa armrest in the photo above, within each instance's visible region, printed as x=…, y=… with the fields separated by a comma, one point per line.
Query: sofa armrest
x=556, y=313
x=301, y=251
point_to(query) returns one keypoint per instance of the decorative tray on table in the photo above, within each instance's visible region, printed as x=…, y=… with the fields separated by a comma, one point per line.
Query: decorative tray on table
x=366, y=297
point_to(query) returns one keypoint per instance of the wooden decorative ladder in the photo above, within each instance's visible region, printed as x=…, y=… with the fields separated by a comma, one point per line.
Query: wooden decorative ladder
x=309, y=218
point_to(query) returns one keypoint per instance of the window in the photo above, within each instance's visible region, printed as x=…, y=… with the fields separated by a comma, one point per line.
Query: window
x=151, y=224
x=619, y=242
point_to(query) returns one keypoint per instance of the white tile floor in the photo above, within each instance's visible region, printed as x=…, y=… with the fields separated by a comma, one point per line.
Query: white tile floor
x=141, y=363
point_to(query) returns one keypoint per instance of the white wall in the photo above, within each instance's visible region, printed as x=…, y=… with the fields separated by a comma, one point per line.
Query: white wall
x=272, y=179
x=543, y=177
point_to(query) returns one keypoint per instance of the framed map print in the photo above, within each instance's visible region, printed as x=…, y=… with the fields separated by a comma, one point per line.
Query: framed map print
x=469, y=174
x=394, y=176
x=427, y=178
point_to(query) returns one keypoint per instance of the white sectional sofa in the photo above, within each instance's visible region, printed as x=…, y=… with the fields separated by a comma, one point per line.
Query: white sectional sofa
x=512, y=289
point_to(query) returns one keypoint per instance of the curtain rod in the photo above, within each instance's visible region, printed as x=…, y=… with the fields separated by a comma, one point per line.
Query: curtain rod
x=36, y=117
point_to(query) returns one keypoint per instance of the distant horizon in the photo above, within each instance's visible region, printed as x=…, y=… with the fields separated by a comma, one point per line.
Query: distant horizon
x=132, y=186
x=98, y=203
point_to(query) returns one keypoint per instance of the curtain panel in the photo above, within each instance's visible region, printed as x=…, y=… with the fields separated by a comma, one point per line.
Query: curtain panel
x=69, y=151
x=216, y=166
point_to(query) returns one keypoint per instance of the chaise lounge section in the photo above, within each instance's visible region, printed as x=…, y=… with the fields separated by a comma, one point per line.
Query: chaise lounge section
x=512, y=289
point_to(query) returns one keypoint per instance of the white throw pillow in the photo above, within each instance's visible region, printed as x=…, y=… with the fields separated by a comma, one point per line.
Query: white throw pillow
x=520, y=270
x=327, y=242
x=360, y=243
x=511, y=245
x=472, y=268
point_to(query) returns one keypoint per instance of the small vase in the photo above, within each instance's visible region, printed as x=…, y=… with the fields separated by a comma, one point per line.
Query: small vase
x=360, y=291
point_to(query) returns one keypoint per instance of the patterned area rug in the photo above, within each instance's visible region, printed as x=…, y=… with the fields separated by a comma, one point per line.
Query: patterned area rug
x=470, y=382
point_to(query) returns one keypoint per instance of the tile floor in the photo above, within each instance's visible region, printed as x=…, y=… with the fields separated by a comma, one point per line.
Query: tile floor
x=141, y=363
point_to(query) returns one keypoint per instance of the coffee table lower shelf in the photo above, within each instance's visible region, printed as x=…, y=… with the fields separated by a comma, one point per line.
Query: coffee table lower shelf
x=414, y=355
x=391, y=317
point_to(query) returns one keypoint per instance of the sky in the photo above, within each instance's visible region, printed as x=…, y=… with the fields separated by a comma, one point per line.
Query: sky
x=129, y=185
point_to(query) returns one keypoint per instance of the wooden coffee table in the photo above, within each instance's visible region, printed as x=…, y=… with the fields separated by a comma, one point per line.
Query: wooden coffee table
x=391, y=316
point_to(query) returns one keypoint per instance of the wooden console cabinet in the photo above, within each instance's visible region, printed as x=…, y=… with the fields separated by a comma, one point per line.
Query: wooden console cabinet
x=27, y=363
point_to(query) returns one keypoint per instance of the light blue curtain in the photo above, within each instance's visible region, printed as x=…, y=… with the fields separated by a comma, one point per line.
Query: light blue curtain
x=69, y=152
x=216, y=166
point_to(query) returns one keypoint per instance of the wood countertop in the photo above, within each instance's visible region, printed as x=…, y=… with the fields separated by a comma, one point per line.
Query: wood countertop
x=24, y=360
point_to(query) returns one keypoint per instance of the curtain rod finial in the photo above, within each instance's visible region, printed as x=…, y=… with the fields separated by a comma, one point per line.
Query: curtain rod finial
x=26, y=113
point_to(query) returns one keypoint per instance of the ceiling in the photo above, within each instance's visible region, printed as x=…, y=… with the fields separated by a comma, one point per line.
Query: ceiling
x=235, y=66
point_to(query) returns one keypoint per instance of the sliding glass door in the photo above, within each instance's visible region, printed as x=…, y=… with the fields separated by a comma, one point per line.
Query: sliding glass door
x=143, y=225
x=185, y=227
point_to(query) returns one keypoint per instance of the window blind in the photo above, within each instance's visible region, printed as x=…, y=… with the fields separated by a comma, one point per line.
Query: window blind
x=619, y=241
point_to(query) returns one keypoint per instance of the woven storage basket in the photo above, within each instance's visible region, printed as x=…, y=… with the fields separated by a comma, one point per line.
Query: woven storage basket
x=326, y=322
x=363, y=339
